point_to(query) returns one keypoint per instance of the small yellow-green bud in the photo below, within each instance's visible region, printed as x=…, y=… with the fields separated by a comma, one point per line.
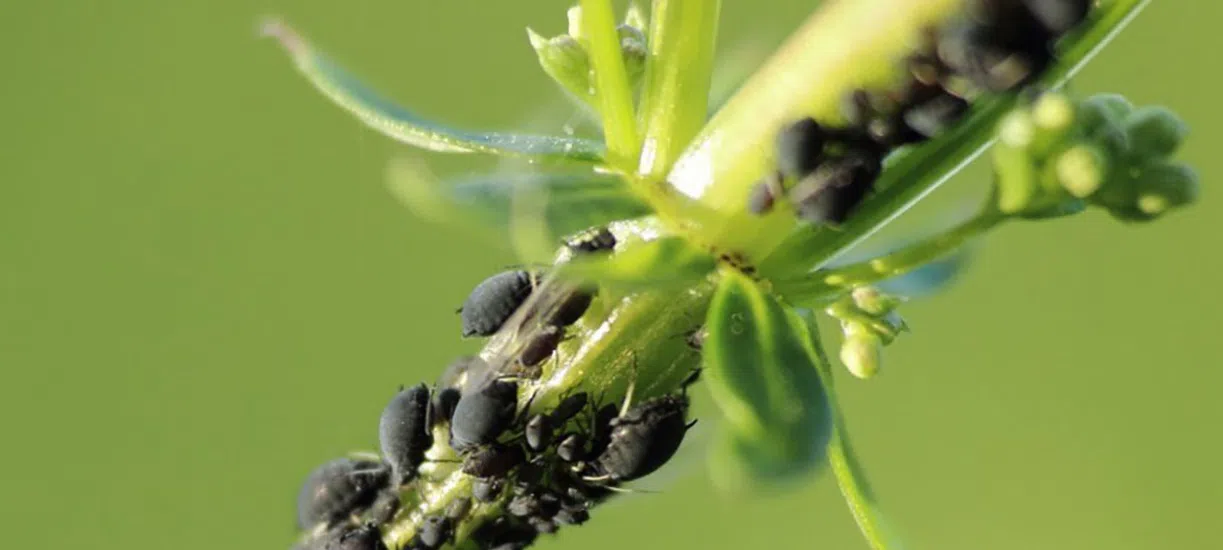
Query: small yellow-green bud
x=1016, y=129
x=872, y=302
x=862, y=354
x=1053, y=112
x=1155, y=132
x=1081, y=170
x=565, y=60
x=1015, y=178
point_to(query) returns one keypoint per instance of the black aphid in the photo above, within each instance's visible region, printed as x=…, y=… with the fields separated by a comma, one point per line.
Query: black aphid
x=601, y=429
x=834, y=190
x=1059, y=16
x=435, y=531
x=572, y=448
x=1004, y=48
x=539, y=432
x=523, y=505
x=338, y=489
x=483, y=413
x=361, y=537
x=403, y=432
x=504, y=533
x=595, y=240
x=571, y=308
x=571, y=517
x=800, y=148
x=764, y=194
x=458, y=509
x=935, y=115
x=448, y=388
x=493, y=461
x=487, y=489
x=494, y=300
x=384, y=508
x=644, y=438
x=569, y=407
x=543, y=526
x=541, y=346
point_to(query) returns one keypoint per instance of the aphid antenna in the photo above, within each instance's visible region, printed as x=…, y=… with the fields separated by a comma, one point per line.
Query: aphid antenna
x=632, y=386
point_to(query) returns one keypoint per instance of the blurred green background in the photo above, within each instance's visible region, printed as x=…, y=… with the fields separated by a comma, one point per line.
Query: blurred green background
x=205, y=290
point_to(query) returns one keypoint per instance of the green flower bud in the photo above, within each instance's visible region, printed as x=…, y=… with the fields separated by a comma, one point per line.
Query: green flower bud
x=1081, y=170
x=565, y=60
x=1053, y=118
x=633, y=49
x=1015, y=178
x=1102, y=109
x=875, y=303
x=1161, y=187
x=862, y=354
x=1112, y=141
x=1155, y=132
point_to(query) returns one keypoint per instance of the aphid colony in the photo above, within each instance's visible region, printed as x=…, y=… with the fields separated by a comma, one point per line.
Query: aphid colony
x=532, y=472
x=825, y=172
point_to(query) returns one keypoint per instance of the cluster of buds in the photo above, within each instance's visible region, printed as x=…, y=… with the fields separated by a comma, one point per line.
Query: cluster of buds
x=869, y=321
x=1056, y=156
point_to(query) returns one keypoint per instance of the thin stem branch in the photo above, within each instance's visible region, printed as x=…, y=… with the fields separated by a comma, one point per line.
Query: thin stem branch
x=679, y=66
x=615, y=98
x=829, y=282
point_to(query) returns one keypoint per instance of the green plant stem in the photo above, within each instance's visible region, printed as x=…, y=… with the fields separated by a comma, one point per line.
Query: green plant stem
x=679, y=67
x=615, y=98
x=636, y=339
x=830, y=282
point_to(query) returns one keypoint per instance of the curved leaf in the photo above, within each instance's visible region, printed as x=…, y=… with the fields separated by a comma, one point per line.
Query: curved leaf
x=560, y=204
x=763, y=372
x=402, y=125
x=652, y=265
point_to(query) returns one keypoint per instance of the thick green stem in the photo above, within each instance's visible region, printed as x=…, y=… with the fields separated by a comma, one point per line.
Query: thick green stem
x=678, y=72
x=611, y=83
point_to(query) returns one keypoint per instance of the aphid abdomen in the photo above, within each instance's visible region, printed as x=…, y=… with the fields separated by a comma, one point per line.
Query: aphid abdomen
x=493, y=301
x=337, y=489
x=403, y=432
x=483, y=414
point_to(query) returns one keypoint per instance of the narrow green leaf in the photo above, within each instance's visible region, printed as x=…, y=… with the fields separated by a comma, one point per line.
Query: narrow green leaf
x=615, y=97
x=652, y=265
x=402, y=125
x=678, y=71
x=561, y=203
x=762, y=370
